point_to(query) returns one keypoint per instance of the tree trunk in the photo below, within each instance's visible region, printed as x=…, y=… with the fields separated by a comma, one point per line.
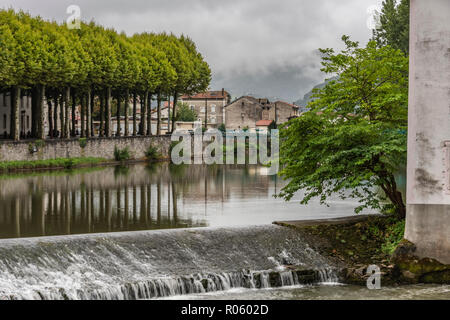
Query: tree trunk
x=158, y=112
x=66, y=112
x=168, y=115
x=74, y=106
x=118, y=129
x=206, y=113
x=102, y=114
x=34, y=111
x=143, y=113
x=82, y=116
x=55, y=117
x=92, y=94
x=88, y=113
x=134, y=114
x=15, y=113
x=61, y=116
x=108, y=113
x=149, y=114
x=40, y=112
x=50, y=117
x=174, y=113
x=127, y=106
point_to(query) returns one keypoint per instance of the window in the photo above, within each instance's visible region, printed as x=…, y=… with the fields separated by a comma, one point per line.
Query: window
x=213, y=120
x=192, y=107
x=243, y=116
x=202, y=110
x=5, y=119
x=28, y=122
x=4, y=100
x=213, y=108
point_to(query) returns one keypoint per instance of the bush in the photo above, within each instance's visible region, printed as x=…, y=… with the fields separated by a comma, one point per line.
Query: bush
x=83, y=143
x=152, y=153
x=121, y=154
x=222, y=128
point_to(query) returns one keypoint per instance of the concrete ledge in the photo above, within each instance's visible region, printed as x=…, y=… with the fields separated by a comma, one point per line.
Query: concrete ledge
x=332, y=221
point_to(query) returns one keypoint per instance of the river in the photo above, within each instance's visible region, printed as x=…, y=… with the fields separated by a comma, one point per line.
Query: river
x=160, y=231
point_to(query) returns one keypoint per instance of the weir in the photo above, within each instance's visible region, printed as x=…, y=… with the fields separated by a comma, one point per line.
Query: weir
x=428, y=176
x=144, y=265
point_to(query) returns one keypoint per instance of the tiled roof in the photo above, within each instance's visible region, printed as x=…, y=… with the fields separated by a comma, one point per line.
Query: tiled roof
x=264, y=123
x=207, y=95
x=290, y=104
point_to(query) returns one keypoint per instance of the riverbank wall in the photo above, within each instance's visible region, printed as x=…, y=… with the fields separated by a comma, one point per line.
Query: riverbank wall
x=32, y=150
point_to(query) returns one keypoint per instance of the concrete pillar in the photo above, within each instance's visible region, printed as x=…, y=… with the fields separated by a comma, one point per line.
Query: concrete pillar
x=428, y=182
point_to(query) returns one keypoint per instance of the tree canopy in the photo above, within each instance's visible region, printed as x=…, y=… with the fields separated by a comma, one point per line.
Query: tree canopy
x=353, y=140
x=393, y=28
x=38, y=52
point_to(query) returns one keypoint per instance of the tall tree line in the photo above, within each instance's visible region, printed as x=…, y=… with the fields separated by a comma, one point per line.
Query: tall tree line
x=92, y=66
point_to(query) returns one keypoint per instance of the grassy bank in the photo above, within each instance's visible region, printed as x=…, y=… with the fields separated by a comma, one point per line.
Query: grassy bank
x=60, y=163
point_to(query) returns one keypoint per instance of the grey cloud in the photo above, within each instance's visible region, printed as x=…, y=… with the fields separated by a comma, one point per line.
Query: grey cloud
x=262, y=46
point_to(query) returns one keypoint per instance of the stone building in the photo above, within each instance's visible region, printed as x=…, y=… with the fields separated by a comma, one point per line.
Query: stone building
x=211, y=104
x=5, y=115
x=245, y=112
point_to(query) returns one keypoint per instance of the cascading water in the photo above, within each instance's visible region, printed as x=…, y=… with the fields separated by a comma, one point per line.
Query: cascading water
x=145, y=265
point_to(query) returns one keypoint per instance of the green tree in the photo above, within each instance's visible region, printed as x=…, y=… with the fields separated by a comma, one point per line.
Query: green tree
x=185, y=113
x=393, y=26
x=353, y=140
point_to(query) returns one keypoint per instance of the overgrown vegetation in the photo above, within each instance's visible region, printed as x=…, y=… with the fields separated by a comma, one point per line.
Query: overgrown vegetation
x=121, y=154
x=353, y=140
x=368, y=242
x=152, y=153
x=83, y=143
x=67, y=163
x=185, y=113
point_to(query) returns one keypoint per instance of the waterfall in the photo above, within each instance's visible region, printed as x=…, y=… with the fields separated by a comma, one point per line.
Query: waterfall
x=154, y=264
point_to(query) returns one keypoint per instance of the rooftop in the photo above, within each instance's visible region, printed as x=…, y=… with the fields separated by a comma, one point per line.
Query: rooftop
x=222, y=94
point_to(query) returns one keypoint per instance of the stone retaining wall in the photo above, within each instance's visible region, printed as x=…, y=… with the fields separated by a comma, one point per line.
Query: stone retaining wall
x=95, y=147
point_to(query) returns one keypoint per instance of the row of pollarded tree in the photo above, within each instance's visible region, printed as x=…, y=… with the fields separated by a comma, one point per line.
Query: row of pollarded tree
x=61, y=68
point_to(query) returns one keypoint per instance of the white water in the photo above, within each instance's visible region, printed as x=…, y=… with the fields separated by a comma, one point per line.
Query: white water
x=152, y=264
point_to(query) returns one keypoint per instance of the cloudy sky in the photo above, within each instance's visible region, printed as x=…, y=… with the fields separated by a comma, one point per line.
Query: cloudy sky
x=262, y=47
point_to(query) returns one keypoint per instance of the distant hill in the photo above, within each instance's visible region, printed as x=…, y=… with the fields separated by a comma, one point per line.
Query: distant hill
x=307, y=98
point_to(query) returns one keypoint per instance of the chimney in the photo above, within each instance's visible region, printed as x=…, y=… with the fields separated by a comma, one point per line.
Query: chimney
x=223, y=92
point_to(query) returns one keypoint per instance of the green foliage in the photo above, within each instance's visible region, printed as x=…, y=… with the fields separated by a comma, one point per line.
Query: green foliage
x=222, y=128
x=121, y=154
x=152, y=153
x=393, y=236
x=354, y=138
x=35, y=53
x=83, y=142
x=393, y=26
x=185, y=113
x=6, y=166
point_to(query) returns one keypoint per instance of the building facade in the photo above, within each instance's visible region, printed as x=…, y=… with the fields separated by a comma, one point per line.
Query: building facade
x=245, y=112
x=210, y=105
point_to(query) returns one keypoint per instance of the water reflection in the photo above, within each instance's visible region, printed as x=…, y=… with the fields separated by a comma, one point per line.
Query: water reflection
x=143, y=197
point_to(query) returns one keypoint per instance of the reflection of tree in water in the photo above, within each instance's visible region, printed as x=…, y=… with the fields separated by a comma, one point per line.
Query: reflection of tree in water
x=118, y=199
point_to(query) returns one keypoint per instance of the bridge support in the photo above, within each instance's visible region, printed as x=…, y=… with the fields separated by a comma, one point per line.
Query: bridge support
x=428, y=177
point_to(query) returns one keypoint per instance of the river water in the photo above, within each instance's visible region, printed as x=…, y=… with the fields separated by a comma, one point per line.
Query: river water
x=159, y=231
